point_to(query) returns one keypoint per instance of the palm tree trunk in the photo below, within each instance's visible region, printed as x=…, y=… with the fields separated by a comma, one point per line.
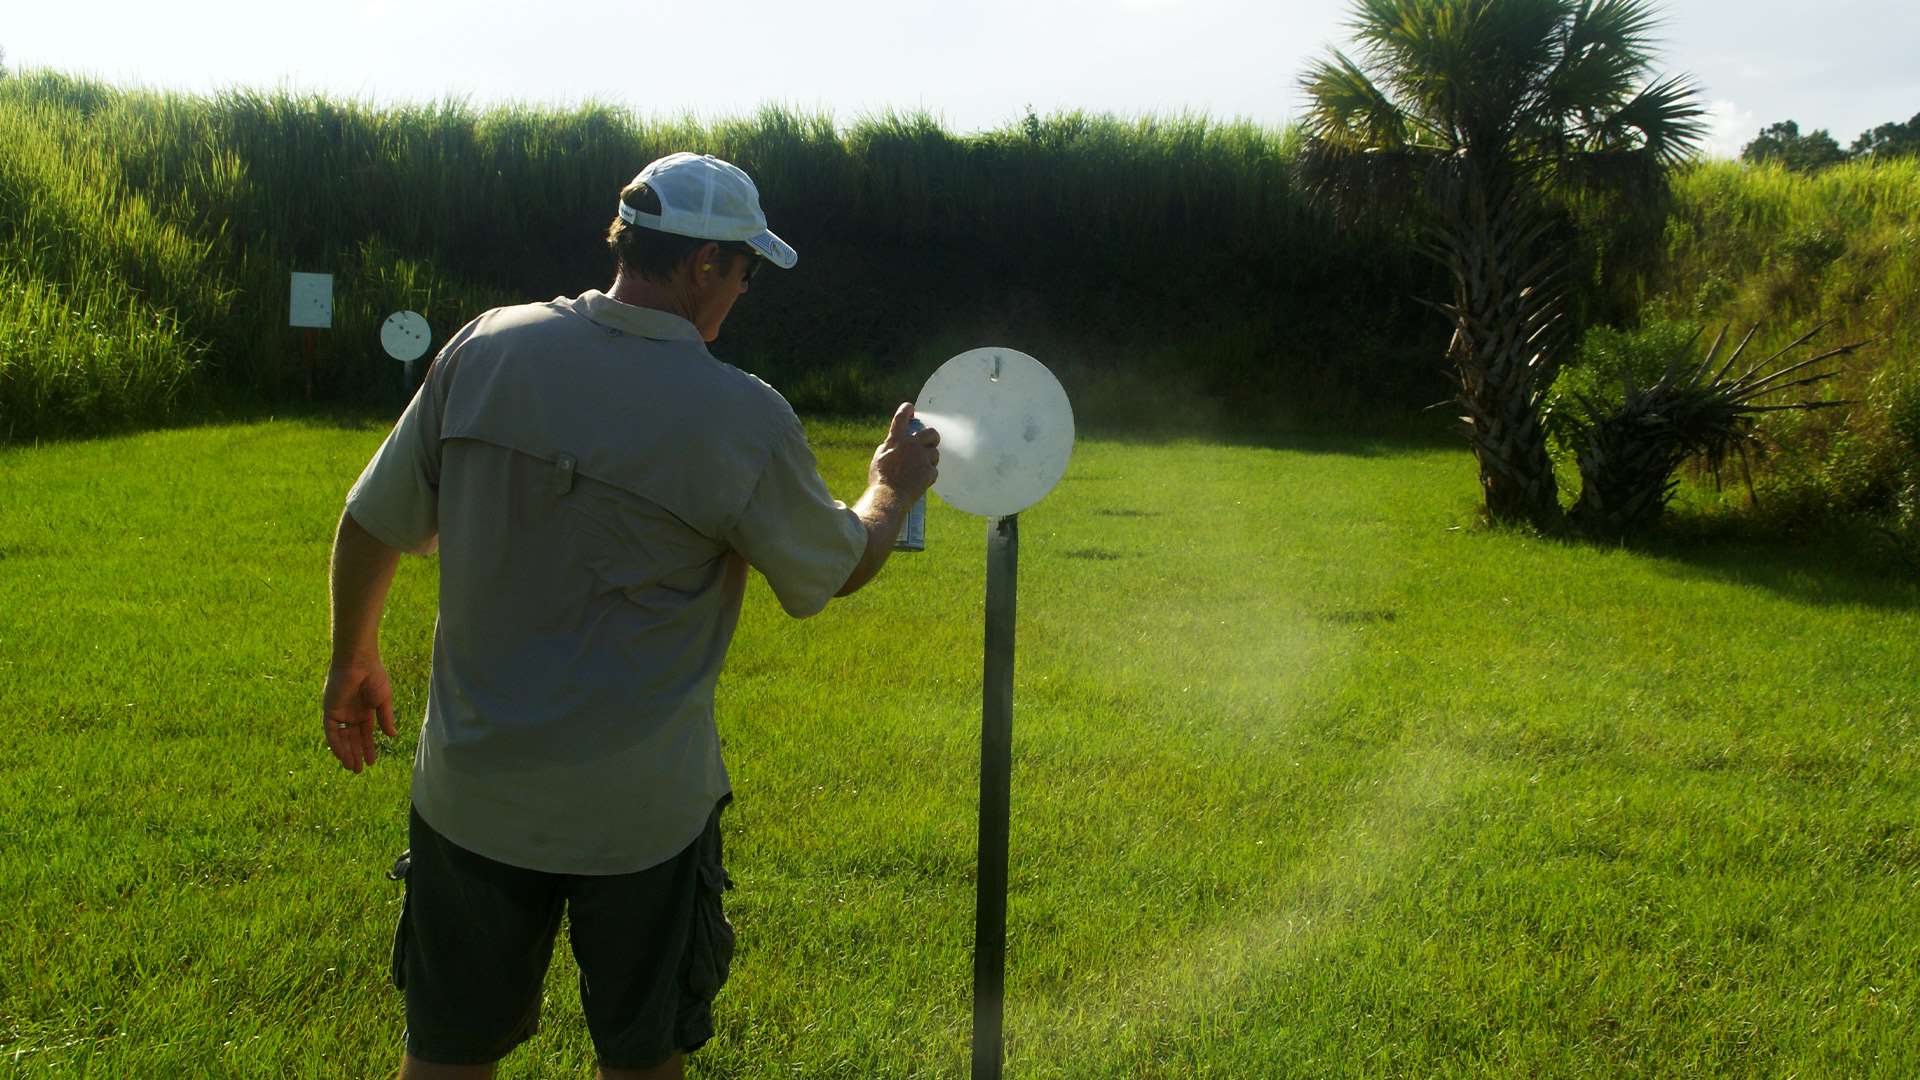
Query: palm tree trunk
x=1505, y=322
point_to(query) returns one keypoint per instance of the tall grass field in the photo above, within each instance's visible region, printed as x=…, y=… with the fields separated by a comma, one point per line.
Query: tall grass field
x=159, y=229
x=1312, y=777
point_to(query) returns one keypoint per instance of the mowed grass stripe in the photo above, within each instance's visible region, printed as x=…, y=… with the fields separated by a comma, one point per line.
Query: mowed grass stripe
x=1312, y=777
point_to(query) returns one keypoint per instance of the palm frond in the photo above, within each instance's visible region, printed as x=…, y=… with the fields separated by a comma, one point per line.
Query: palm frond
x=1513, y=47
x=1713, y=350
x=1664, y=119
x=1620, y=29
x=1362, y=183
x=1734, y=356
x=1347, y=111
x=1771, y=360
x=1603, y=52
x=1363, y=153
x=1628, y=181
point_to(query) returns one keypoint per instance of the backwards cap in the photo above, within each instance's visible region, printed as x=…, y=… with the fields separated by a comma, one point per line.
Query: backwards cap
x=708, y=199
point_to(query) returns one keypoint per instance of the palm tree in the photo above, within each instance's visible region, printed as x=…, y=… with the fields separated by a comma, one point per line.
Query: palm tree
x=1493, y=117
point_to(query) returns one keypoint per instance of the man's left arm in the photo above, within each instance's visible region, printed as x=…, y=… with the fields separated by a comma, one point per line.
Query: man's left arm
x=394, y=507
x=358, y=694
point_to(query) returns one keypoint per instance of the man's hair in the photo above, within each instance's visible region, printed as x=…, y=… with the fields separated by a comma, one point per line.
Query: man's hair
x=652, y=254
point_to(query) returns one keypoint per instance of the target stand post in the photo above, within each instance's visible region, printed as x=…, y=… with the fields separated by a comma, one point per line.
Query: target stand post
x=996, y=785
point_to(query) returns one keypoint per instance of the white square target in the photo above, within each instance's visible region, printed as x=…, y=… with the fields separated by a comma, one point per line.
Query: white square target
x=311, y=302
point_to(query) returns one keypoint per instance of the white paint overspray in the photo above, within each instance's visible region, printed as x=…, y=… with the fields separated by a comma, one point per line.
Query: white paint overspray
x=1349, y=870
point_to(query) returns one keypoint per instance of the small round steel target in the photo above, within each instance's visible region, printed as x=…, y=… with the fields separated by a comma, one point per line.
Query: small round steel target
x=1006, y=430
x=405, y=335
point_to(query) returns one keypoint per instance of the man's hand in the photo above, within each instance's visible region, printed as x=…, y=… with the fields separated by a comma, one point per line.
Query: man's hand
x=357, y=692
x=357, y=696
x=903, y=468
x=906, y=464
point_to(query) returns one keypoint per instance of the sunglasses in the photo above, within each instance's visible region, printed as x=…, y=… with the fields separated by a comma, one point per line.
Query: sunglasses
x=753, y=259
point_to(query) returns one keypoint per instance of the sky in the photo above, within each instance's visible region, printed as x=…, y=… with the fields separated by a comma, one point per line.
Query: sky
x=1842, y=65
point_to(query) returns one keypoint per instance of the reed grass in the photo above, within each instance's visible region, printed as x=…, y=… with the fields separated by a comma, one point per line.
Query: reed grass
x=1172, y=246
x=1760, y=241
x=1759, y=245
x=78, y=362
x=93, y=278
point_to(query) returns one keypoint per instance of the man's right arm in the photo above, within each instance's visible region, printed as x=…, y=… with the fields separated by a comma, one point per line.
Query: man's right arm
x=883, y=512
x=811, y=546
x=904, y=467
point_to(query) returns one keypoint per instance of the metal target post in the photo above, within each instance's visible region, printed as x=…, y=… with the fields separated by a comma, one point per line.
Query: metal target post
x=996, y=780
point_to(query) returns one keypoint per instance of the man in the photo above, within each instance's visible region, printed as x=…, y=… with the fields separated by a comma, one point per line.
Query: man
x=597, y=485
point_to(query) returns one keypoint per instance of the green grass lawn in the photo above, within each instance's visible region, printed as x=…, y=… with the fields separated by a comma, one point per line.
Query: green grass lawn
x=1312, y=776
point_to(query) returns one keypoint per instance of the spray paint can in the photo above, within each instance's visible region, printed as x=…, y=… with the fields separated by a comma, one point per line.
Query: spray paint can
x=913, y=534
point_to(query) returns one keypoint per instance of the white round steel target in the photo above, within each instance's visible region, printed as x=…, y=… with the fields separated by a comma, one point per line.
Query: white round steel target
x=1006, y=430
x=405, y=335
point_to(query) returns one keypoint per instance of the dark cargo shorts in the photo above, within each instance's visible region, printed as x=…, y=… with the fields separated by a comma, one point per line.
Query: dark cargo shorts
x=475, y=937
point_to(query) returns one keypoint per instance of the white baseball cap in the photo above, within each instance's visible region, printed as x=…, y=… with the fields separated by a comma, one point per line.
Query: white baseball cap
x=708, y=199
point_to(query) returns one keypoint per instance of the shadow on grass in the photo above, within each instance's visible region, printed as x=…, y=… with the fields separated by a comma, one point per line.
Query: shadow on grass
x=1837, y=566
x=221, y=411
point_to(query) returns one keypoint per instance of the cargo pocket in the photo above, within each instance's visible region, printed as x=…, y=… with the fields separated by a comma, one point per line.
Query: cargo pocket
x=710, y=951
x=709, y=942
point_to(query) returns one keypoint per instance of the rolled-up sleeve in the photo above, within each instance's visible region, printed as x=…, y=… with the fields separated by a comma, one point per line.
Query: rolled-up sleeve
x=794, y=532
x=397, y=498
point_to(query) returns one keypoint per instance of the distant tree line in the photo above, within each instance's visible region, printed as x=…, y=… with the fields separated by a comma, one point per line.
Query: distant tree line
x=1785, y=143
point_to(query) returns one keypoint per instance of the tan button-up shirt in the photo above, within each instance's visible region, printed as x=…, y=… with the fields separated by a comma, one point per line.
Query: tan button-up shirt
x=597, y=484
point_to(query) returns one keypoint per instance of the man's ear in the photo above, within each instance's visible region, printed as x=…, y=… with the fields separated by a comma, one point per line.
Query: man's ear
x=706, y=261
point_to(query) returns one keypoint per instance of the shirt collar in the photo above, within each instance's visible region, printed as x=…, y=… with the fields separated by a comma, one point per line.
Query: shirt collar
x=644, y=322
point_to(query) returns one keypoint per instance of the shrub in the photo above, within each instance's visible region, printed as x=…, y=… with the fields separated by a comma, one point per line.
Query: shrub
x=1607, y=361
x=1703, y=405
